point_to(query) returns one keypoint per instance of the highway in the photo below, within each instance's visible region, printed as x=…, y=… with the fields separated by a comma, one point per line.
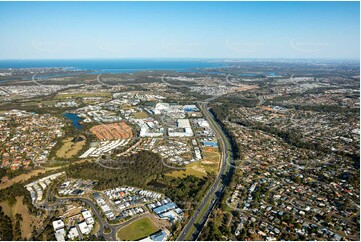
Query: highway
x=193, y=228
x=195, y=224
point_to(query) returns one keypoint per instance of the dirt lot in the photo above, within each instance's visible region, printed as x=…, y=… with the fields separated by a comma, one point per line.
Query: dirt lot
x=112, y=131
x=244, y=88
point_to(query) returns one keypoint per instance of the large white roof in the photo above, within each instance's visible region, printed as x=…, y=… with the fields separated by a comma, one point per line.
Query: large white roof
x=183, y=123
x=58, y=224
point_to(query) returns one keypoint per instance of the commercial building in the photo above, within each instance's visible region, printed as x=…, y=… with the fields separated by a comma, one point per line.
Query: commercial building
x=161, y=107
x=210, y=144
x=184, y=129
x=190, y=108
x=88, y=217
x=164, y=208
x=58, y=224
x=73, y=233
x=85, y=228
x=60, y=233
x=159, y=236
x=183, y=123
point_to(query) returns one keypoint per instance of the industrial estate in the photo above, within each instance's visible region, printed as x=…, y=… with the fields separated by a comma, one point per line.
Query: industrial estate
x=179, y=121
x=230, y=153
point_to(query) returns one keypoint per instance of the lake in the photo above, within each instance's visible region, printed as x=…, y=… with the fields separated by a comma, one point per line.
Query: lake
x=75, y=119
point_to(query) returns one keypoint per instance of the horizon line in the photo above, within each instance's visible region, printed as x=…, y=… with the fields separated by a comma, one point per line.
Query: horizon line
x=183, y=58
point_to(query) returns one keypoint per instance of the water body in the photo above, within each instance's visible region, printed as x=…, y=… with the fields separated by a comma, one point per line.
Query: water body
x=272, y=74
x=75, y=119
x=248, y=75
x=54, y=75
x=114, y=66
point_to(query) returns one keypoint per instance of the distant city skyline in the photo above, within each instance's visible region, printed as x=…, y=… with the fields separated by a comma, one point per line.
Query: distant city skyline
x=175, y=30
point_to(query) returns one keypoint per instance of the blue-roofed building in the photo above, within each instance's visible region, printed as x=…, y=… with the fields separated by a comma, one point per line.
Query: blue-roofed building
x=164, y=208
x=211, y=144
x=190, y=108
x=170, y=215
x=159, y=236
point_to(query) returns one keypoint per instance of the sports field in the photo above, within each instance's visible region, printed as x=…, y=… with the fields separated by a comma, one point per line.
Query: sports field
x=139, y=229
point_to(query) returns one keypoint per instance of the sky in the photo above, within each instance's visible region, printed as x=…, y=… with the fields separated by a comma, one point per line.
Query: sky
x=73, y=30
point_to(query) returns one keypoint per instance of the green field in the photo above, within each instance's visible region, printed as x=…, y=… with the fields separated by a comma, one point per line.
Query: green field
x=140, y=115
x=139, y=229
x=69, y=148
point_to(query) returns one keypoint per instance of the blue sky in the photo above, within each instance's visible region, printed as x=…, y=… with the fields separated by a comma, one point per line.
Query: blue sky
x=67, y=30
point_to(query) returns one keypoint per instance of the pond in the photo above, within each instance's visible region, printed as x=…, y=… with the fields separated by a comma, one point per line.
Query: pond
x=75, y=119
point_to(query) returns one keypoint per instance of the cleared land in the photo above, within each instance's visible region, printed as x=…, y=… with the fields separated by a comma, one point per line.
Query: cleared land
x=209, y=164
x=244, y=88
x=112, y=131
x=69, y=148
x=139, y=229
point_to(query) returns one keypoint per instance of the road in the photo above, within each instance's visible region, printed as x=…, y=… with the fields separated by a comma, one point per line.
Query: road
x=195, y=224
x=112, y=235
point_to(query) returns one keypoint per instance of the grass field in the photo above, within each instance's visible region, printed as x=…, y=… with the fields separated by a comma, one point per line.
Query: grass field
x=209, y=163
x=126, y=107
x=69, y=148
x=141, y=228
x=52, y=102
x=28, y=220
x=140, y=115
x=20, y=178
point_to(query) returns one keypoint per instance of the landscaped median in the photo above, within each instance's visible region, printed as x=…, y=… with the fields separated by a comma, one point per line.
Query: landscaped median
x=198, y=219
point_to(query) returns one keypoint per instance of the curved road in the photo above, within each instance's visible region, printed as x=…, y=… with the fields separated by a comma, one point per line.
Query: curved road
x=112, y=236
x=195, y=224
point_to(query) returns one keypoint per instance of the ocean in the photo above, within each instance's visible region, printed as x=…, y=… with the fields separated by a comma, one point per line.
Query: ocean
x=116, y=65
